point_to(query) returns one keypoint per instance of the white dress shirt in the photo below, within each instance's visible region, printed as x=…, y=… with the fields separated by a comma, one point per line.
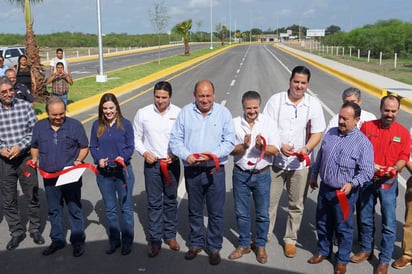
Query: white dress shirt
x=152, y=129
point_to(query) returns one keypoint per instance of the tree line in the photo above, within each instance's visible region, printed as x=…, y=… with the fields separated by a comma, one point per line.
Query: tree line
x=386, y=36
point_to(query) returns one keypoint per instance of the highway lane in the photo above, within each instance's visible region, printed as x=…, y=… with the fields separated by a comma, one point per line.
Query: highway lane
x=248, y=67
x=91, y=67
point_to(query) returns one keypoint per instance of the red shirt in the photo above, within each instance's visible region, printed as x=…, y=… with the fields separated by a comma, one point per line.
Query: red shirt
x=389, y=144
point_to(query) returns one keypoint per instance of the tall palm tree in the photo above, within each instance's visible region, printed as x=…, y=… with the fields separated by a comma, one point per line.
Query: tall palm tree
x=183, y=28
x=32, y=50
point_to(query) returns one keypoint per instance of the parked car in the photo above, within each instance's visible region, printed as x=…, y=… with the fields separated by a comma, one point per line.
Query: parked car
x=11, y=54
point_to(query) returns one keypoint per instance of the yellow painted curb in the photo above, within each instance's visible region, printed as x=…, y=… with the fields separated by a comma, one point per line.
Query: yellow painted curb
x=93, y=101
x=366, y=86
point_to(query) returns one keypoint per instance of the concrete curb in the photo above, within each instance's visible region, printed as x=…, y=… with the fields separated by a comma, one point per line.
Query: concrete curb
x=364, y=85
x=93, y=101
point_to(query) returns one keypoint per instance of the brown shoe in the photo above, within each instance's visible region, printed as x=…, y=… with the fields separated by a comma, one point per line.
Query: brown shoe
x=402, y=262
x=192, y=253
x=360, y=257
x=154, y=251
x=290, y=250
x=317, y=258
x=382, y=268
x=261, y=255
x=173, y=244
x=214, y=258
x=239, y=252
x=340, y=269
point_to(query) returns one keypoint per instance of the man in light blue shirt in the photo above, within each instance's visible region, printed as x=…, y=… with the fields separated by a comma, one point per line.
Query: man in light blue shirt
x=203, y=136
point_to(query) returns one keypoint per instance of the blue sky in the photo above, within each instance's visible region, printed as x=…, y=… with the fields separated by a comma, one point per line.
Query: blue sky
x=132, y=16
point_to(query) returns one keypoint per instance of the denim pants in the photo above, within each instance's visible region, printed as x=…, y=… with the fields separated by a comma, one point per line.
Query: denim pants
x=161, y=202
x=56, y=197
x=329, y=218
x=116, y=186
x=63, y=97
x=245, y=184
x=369, y=195
x=203, y=184
x=11, y=171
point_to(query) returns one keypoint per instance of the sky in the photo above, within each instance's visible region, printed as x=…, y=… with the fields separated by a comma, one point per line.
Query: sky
x=132, y=16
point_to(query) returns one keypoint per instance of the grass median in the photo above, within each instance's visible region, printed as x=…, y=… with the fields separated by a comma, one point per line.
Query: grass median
x=87, y=86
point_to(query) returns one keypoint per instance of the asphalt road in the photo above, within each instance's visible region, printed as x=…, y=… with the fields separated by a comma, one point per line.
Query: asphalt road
x=91, y=67
x=249, y=67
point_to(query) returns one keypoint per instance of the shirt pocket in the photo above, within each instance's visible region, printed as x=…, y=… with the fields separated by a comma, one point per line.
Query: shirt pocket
x=346, y=165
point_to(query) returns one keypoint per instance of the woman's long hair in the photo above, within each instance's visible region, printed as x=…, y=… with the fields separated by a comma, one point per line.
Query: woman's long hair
x=103, y=124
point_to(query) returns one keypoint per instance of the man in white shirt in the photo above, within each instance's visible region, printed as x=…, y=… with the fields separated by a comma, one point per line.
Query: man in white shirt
x=59, y=58
x=353, y=95
x=152, y=126
x=300, y=122
x=257, y=140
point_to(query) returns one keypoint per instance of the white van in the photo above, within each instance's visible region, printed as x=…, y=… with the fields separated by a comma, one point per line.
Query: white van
x=11, y=55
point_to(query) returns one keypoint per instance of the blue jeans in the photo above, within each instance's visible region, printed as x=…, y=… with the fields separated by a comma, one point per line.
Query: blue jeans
x=203, y=186
x=63, y=97
x=258, y=185
x=329, y=218
x=387, y=197
x=120, y=182
x=161, y=202
x=71, y=195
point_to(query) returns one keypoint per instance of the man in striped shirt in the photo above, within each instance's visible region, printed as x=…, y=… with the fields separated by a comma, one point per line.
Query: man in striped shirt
x=344, y=162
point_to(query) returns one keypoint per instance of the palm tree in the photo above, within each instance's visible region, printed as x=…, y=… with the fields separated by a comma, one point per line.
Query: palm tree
x=32, y=50
x=223, y=35
x=183, y=28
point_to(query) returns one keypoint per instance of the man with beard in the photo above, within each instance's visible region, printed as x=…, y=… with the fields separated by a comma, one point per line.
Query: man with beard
x=391, y=145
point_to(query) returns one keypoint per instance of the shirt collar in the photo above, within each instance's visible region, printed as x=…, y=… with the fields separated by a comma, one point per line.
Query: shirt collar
x=196, y=109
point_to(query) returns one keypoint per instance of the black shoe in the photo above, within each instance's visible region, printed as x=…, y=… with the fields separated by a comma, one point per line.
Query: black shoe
x=214, y=258
x=192, y=253
x=154, y=251
x=53, y=248
x=15, y=241
x=112, y=248
x=78, y=250
x=126, y=249
x=37, y=238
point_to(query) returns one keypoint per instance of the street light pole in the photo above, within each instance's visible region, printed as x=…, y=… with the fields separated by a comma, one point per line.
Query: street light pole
x=211, y=26
x=100, y=77
x=230, y=22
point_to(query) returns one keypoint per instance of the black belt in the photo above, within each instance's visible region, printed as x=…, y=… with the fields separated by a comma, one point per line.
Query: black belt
x=200, y=168
x=252, y=171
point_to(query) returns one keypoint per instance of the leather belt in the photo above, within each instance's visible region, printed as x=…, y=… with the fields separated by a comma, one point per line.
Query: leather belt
x=252, y=171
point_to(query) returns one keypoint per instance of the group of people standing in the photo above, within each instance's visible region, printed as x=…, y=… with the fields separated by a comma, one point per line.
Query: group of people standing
x=357, y=162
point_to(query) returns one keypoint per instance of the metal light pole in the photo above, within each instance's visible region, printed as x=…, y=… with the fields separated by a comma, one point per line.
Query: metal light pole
x=230, y=22
x=211, y=26
x=100, y=77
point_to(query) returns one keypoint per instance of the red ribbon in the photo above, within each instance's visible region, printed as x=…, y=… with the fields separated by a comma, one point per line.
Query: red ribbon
x=344, y=204
x=51, y=175
x=385, y=172
x=302, y=157
x=165, y=171
x=389, y=174
x=210, y=155
x=262, y=153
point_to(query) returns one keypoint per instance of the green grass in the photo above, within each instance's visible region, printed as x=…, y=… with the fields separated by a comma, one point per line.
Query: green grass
x=87, y=86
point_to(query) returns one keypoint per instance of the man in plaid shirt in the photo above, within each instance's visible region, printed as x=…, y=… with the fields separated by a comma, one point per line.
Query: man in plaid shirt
x=17, y=119
x=60, y=81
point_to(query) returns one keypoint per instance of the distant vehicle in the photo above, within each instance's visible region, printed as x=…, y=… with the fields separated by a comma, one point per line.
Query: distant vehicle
x=11, y=55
